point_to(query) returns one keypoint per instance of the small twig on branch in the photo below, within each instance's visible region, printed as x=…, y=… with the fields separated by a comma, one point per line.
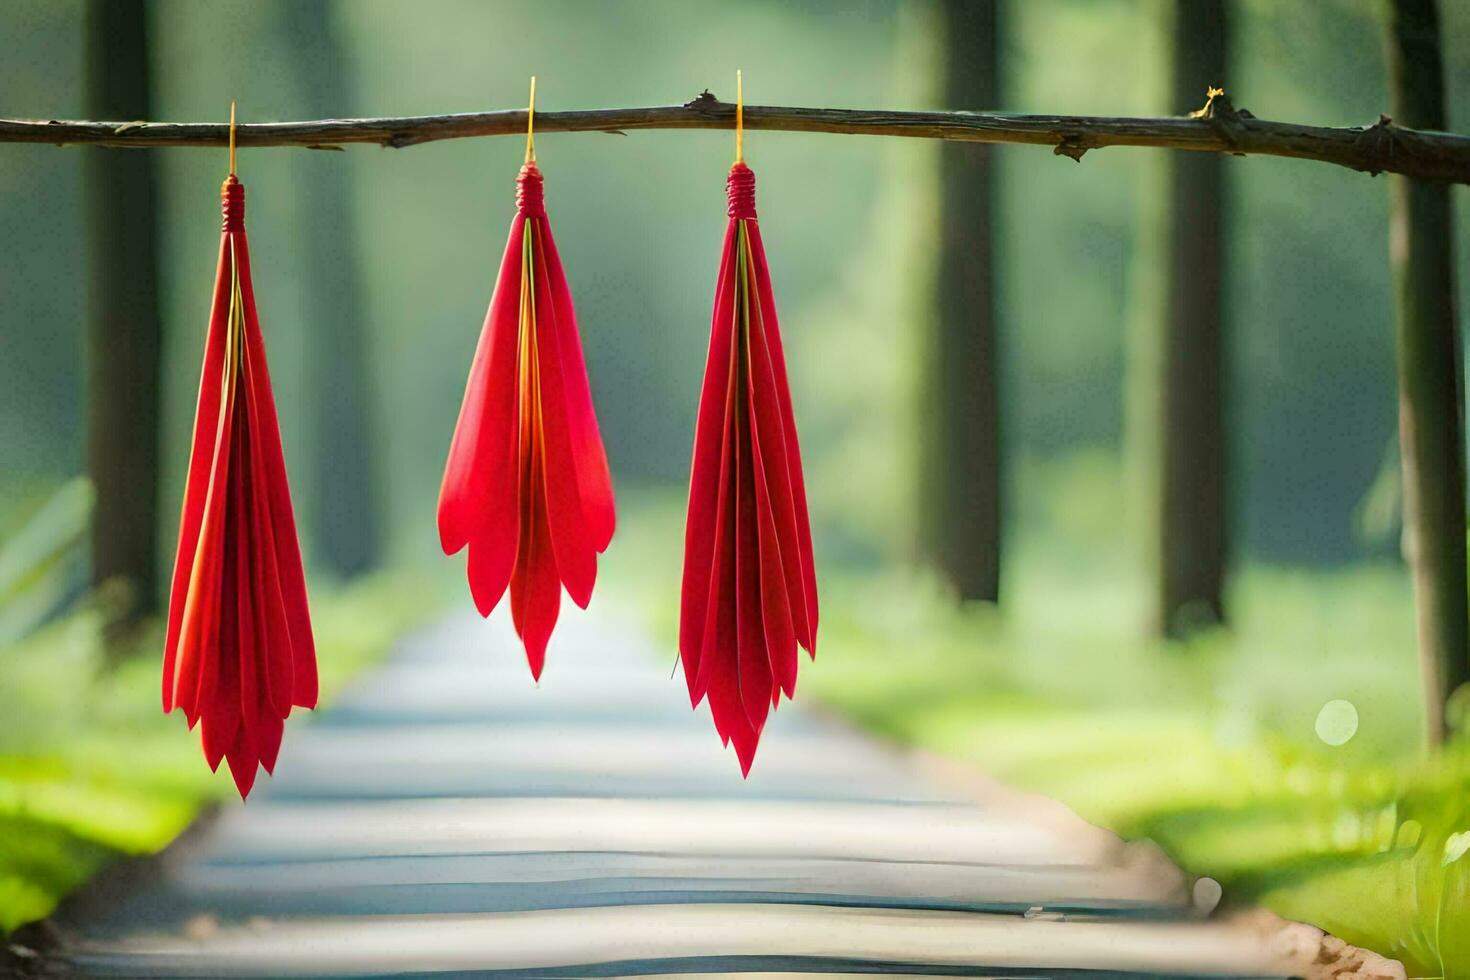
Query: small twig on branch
x=1217, y=128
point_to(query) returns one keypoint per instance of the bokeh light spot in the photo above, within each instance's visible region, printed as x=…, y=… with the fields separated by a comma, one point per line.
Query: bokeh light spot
x=1337, y=722
x=1207, y=895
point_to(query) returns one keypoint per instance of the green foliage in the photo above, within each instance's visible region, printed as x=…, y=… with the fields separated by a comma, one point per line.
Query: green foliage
x=1209, y=748
x=39, y=559
x=849, y=222
x=1206, y=748
x=91, y=768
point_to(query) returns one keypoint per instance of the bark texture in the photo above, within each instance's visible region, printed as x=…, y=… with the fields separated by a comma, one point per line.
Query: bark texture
x=1383, y=147
x=963, y=472
x=124, y=343
x=1192, y=535
x=345, y=519
x=1431, y=383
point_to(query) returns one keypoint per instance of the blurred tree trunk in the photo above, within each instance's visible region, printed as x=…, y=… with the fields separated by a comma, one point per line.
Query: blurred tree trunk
x=1192, y=493
x=1431, y=399
x=1147, y=309
x=962, y=469
x=344, y=511
x=124, y=346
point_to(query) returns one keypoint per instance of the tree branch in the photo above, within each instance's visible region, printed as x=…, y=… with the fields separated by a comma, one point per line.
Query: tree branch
x=1217, y=128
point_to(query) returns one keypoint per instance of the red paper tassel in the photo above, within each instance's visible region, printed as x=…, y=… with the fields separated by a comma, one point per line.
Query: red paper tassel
x=239, y=653
x=750, y=589
x=526, y=486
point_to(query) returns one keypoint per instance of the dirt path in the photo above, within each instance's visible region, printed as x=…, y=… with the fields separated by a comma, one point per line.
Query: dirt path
x=446, y=816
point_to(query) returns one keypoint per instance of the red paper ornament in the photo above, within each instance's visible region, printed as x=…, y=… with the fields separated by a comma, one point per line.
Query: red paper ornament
x=238, y=654
x=526, y=486
x=749, y=591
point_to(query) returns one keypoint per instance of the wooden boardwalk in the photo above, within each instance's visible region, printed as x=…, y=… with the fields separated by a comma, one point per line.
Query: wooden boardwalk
x=446, y=816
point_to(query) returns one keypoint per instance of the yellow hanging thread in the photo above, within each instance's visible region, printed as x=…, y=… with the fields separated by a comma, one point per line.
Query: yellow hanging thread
x=739, y=118
x=531, y=125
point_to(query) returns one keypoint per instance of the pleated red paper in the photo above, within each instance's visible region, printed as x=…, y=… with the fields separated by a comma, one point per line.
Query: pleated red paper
x=526, y=486
x=750, y=591
x=239, y=653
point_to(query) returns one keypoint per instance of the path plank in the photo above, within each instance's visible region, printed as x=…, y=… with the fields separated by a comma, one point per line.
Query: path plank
x=639, y=939
x=446, y=816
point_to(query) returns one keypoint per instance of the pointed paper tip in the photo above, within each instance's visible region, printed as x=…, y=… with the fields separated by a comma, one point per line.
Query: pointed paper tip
x=483, y=605
x=487, y=586
x=583, y=594
x=243, y=773
x=449, y=538
x=535, y=645
x=270, y=748
x=747, y=759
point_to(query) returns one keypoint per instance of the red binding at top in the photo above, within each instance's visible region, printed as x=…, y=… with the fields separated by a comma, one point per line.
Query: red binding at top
x=740, y=189
x=232, y=204
x=530, y=197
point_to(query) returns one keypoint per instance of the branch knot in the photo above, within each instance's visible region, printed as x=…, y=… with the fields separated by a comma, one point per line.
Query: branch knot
x=1381, y=143
x=1073, y=145
x=1222, y=115
x=706, y=103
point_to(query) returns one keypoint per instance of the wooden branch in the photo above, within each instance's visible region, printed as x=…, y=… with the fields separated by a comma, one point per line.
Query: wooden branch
x=1217, y=128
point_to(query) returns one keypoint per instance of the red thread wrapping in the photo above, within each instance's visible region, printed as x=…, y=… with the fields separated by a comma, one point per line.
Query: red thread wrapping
x=232, y=205
x=740, y=192
x=530, y=192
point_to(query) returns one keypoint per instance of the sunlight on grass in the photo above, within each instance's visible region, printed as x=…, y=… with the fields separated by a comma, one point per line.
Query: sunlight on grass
x=1210, y=748
x=91, y=768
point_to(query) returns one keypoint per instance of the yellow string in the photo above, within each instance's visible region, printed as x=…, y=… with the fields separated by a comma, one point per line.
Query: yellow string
x=232, y=139
x=531, y=125
x=739, y=118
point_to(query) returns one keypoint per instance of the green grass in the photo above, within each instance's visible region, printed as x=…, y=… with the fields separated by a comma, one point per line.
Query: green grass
x=90, y=767
x=1208, y=748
